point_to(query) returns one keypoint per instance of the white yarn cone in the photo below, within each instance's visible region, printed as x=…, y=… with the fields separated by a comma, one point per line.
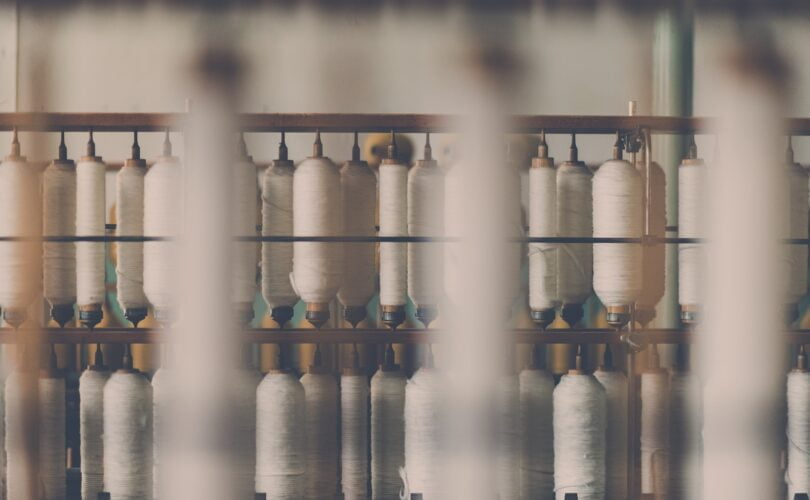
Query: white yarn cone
x=543, y=274
x=387, y=433
x=393, y=222
x=424, y=397
x=245, y=253
x=59, y=219
x=615, y=384
x=129, y=198
x=320, y=434
x=354, y=449
x=52, y=473
x=425, y=218
x=574, y=218
x=91, y=430
x=692, y=189
x=91, y=205
x=536, y=435
x=243, y=385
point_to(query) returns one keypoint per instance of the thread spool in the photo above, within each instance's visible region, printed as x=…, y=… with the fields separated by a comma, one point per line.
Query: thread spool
x=280, y=460
x=387, y=430
x=128, y=435
x=536, y=433
x=277, y=219
x=685, y=412
x=317, y=211
x=393, y=222
x=580, y=418
x=615, y=384
x=617, y=213
x=507, y=445
x=90, y=259
x=320, y=431
x=91, y=427
x=692, y=175
x=59, y=219
x=244, y=383
x=52, y=474
x=653, y=255
x=245, y=199
x=543, y=271
x=654, y=427
x=354, y=449
x=129, y=200
x=425, y=218
x=162, y=218
x=359, y=191
x=424, y=432
x=796, y=278
x=20, y=215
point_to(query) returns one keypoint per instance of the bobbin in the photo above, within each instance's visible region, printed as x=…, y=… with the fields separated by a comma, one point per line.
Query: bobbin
x=543, y=317
x=90, y=315
x=690, y=313
x=317, y=313
x=135, y=314
x=392, y=315
x=618, y=316
x=282, y=314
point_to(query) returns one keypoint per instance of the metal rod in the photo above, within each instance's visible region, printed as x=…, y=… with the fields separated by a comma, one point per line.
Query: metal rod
x=336, y=122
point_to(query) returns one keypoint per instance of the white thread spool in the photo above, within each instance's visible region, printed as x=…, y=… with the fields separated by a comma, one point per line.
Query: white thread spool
x=129, y=194
x=317, y=211
x=653, y=258
x=507, y=444
x=162, y=217
x=245, y=211
x=320, y=433
x=425, y=218
x=52, y=474
x=19, y=388
x=685, y=425
x=393, y=222
x=91, y=430
x=387, y=432
x=59, y=219
x=692, y=187
x=617, y=213
x=580, y=418
x=354, y=450
x=128, y=436
x=798, y=195
x=161, y=398
x=615, y=384
x=280, y=414
x=91, y=204
x=536, y=434
x=244, y=383
x=359, y=191
x=654, y=431
x=543, y=273
x=277, y=220
x=574, y=218
x=20, y=215
x=424, y=398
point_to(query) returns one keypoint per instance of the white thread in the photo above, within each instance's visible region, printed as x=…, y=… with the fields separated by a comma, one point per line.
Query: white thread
x=52, y=473
x=129, y=195
x=393, y=222
x=387, y=433
x=359, y=186
x=128, y=436
x=543, y=274
x=686, y=478
x=320, y=434
x=245, y=211
x=59, y=219
x=692, y=176
x=655, y=432
x=317, y=211
x=280, y=460
x=424, y=397
x=615, y=384
x=243, y=385
x=425, y=218
x=536, y=435
x=797, y=188
x=20, y=215
x=91, y=431
x=161, y=397
x=17, y=470
x=162, y=206
x=277, y=220
x=653, y=265
x=354, y=394
x=574, y=218
x=580, y=419
x=617, y=213
x=508, y=438
x=90, y=207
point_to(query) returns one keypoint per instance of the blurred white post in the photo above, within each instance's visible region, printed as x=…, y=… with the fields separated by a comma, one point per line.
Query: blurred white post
x=204, y=350
x=742, y=330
